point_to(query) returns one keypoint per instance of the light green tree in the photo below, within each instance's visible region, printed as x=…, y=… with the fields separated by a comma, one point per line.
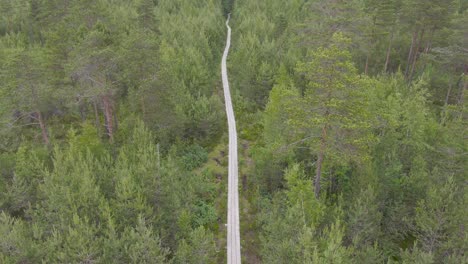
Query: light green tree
x=330, y=109
x=198, y=248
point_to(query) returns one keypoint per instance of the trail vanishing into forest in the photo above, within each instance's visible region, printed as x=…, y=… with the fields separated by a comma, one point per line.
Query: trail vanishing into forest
x=233, y=232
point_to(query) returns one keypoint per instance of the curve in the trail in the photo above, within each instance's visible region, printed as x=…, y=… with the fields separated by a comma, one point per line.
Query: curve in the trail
x=233, y=231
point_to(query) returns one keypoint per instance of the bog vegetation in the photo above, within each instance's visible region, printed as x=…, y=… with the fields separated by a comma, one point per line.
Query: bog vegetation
x=351, y=116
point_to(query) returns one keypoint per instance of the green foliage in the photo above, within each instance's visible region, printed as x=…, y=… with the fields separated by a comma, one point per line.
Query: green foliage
x=334, y=99
x=334, y=251
x=227, y=6
x=385, y=144
x=280, y=228
x=416, y=256
x=204, y=214
x=198, y=248
x=108, y=110
x=437, y=221
x=17, y=241
x=90, y=208
x=204, y=119
x=364, y=220
x=87, y=139
x=194, y=156
x=300, y=193
x=140, y=245
x=292, y=226
x=22, y=192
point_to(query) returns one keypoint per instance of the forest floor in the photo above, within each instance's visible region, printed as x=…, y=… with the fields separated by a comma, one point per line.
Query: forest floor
x=217, y=165
x=248, y=208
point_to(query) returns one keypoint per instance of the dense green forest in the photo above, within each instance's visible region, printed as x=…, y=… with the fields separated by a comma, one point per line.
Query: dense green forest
x=351, y=116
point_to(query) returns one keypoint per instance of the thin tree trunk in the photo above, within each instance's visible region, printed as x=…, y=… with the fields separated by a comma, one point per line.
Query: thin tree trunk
x=389, y=48
x=318, y=172
x=410, y=54
x=82, y=110
x=158, y=162
x=108, y=114
x=96, y=118
x=415, y=55
x=429, y=42
x=461, y=97
x=427, y=48
x=448, y=94
x=158, y=174
x=45, y=137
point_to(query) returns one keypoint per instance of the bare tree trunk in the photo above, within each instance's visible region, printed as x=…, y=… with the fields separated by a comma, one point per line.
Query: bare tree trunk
x=82, y=110
x=448, y=94
x=461, y=97
x=158, y=174
x=415, y=55
x=429, y=42
x=96, y=118
x=410, y=54
x=159, y=157
x=40, y=119
x=108, y=114
x=45, y=137
x=389, y=48
x=318, y=172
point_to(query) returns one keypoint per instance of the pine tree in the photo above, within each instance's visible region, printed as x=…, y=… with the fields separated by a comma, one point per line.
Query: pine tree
x=416, y=256
x=23, y=193
x=437, y=227
x=93, y=68
x=18, y=242
x=28, y=86
x=330, y=110
x=141, y=245
x=199, y=248
x=364, y=219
